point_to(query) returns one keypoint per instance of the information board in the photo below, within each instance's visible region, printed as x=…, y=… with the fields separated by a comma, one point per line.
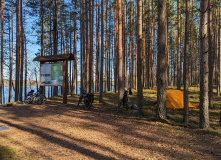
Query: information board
x=51, y=74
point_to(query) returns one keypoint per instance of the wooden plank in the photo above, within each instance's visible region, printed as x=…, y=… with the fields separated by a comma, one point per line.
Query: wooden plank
x=55, y=58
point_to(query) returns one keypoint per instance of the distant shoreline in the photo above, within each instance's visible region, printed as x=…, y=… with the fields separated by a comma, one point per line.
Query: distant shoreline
x=33, y=83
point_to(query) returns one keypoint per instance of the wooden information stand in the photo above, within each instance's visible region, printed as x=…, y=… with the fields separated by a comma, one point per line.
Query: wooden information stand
x=56, y=58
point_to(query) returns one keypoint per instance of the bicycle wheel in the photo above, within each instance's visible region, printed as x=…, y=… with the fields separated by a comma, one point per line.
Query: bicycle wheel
x=26, y=101
x=37, y=100
x=43, y=99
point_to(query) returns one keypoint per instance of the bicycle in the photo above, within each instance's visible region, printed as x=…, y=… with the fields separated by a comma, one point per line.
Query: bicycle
x=88, y=99
x=35, y=98
x=126, y=99
x=39, y=98
x=29, y=98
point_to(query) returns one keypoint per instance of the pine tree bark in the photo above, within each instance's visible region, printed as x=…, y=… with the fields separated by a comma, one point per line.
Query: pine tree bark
x=139, y=58
x=185, y=66
x=42, y=30
x=106, y=50
x=148, y=49
x=116, y=47
x=192, y=56
x=126, y=43
x=219, y=55
x=97, y=46
x=56, y=38
x=2, y=53
x=161, y=62
x=42, y=33
x=62, y=37
x=132, y=44
x=75, y=48
x=91, y=86
x=83, y=73
x=152, y=49
x=18, y=45
x=87, y=46
x=102, y=51
x=216, y=49
x=204, y=109
x=167, y=45
x=22, y=51
x=11, y=56
x=120, y=55
x=178, y=47
x=26, y=68
x=109, y=63
x=143, y=44
x=211, y=54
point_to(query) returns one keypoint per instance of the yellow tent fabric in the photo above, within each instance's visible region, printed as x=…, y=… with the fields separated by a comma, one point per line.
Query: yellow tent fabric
x=174, y=100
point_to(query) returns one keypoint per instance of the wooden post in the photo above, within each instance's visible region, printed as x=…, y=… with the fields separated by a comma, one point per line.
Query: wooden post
x=65, y=81
x=41, y=87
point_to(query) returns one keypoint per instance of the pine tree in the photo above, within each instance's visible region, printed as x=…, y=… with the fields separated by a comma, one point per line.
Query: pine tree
x=161, y=62
x=139, y=58
x=120, y=55
x=204, y=109
x=185, y=66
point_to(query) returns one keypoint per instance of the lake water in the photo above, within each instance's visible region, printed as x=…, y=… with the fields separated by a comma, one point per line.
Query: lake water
x=5, y=98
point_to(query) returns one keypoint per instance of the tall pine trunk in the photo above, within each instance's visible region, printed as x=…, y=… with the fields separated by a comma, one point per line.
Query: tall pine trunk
x=204, y=109
x=132, y=44
x=56, y=38
x=102, y=51
x=106, y=51
x=211, y=54
x=178, y=47
x=75, y=47
x=18, y=45
x=26, y=68
x=11, y=56
x=120, y=54
x=21, y=51
x=167, y=45
x=2, y=53
x=97, y=46
x=42, y=30
x=161, y=62
x=116, y=48
x=219, y=55
x=152, y=49
x=139, y=58
x=185, y=66
x=91, y=86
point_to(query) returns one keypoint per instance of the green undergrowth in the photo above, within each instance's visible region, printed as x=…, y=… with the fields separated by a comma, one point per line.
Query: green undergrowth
x=174, y=117
x=7, y=152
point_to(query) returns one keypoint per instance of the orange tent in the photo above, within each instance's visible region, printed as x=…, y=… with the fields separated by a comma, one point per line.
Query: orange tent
x=174, y=100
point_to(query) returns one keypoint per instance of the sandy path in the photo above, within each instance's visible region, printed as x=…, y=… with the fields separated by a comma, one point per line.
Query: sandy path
x=57, y=131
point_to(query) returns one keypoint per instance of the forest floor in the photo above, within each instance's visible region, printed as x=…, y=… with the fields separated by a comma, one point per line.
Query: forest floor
x=57, y=131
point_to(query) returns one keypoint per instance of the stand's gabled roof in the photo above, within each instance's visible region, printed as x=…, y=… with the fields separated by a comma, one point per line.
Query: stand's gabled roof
x=55, y=58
